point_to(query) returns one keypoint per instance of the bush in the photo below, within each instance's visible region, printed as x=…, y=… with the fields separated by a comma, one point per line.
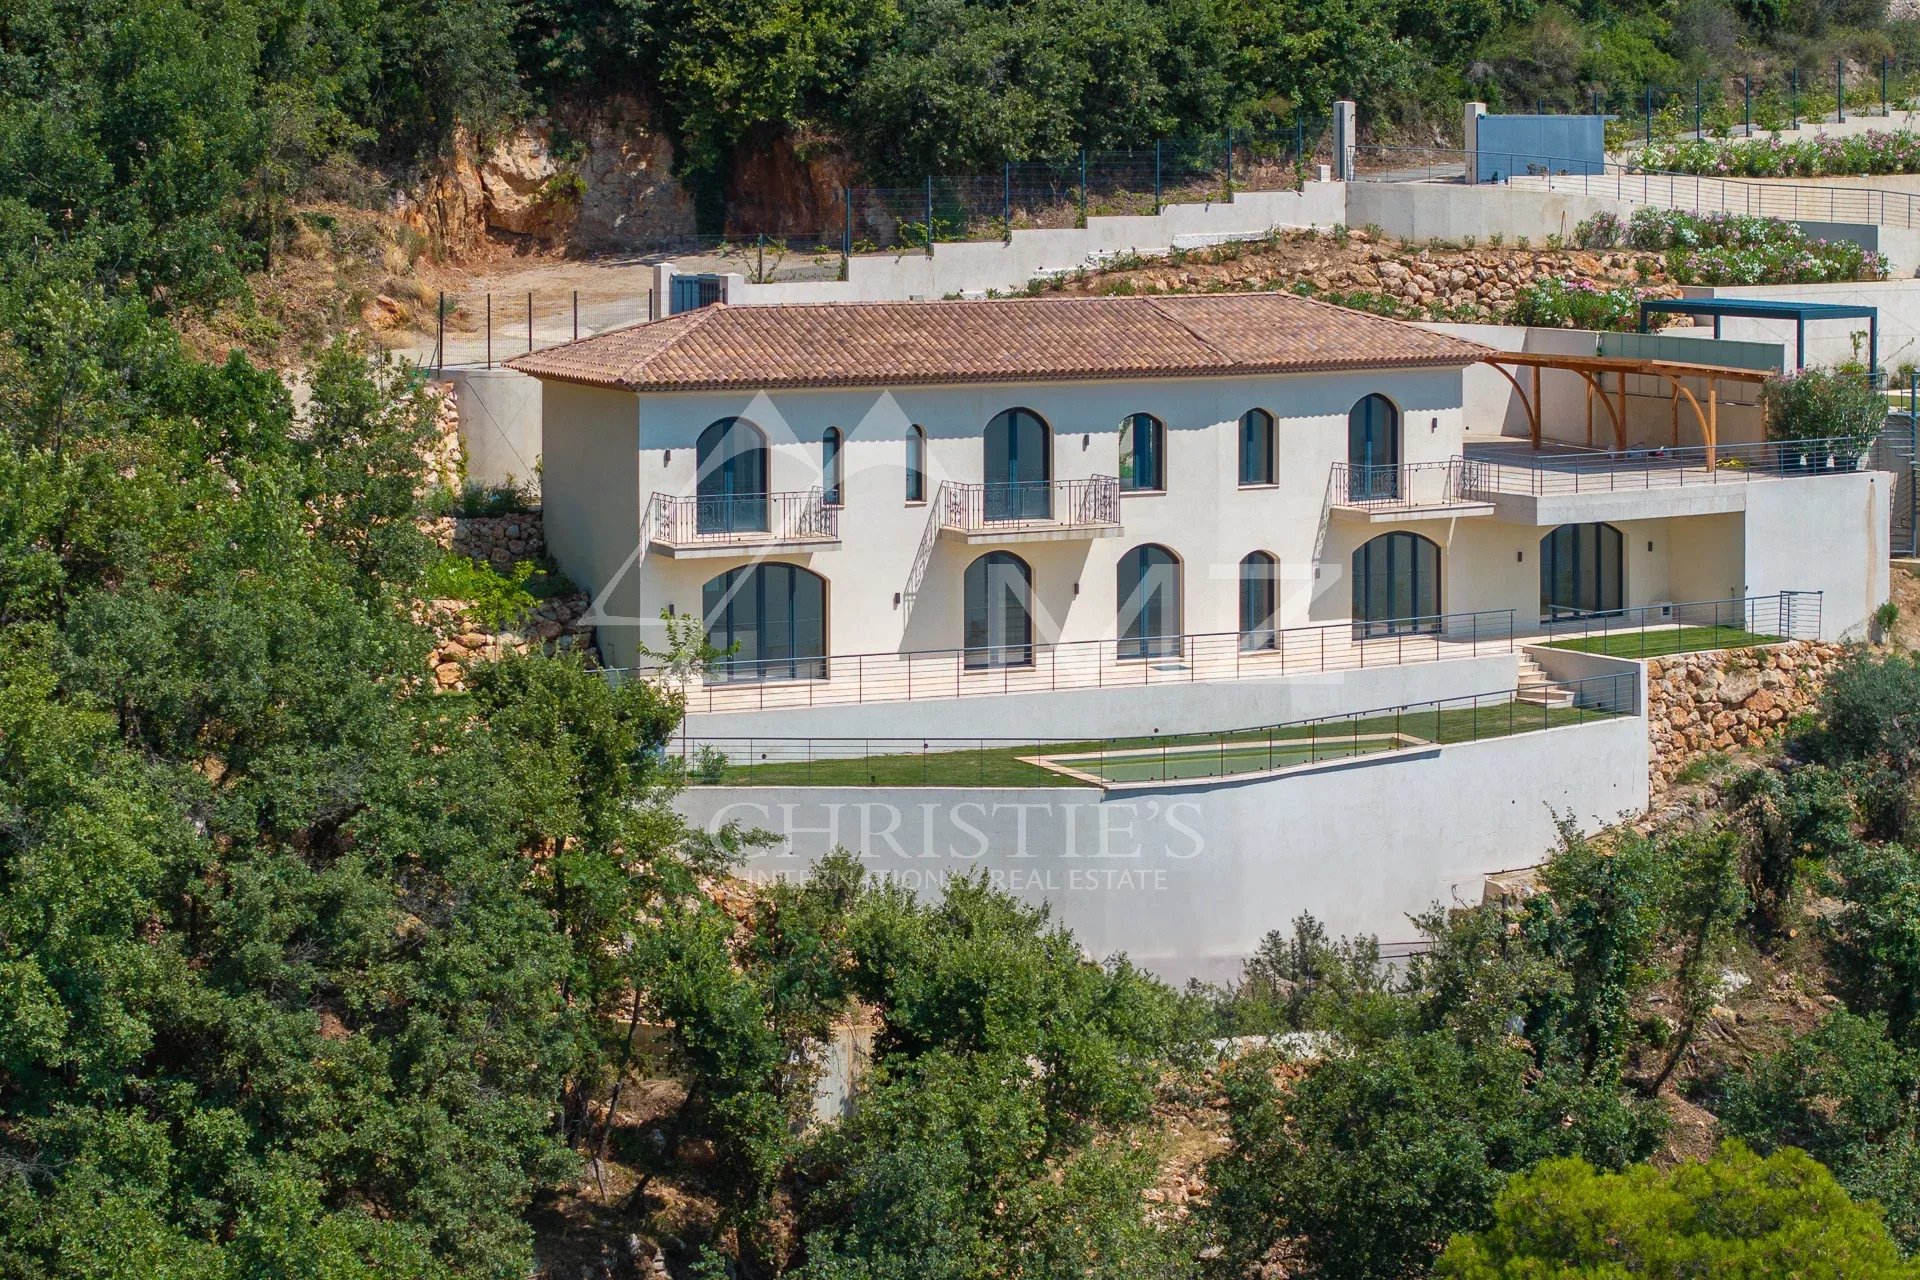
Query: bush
x=1876, y=151
x=1736, y=1215
x=1823, y=404
x=1576, y=304
x=1723, y=248
x=496, y=599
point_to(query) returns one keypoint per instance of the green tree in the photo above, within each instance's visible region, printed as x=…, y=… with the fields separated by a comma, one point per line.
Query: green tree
x=1735, y=1215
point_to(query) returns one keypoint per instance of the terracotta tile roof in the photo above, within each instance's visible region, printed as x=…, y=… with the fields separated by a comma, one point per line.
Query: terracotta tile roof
x=843, y=344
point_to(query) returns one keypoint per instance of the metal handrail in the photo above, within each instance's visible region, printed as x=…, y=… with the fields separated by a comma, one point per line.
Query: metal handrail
x=1632, y=184
x=1562, y=471
x=1091, y=502
x=798, y=760
x=1402, y=485
x=708, y=519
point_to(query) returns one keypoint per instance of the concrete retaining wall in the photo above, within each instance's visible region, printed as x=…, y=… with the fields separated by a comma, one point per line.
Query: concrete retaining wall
x=1186, y=879
x=499, y=424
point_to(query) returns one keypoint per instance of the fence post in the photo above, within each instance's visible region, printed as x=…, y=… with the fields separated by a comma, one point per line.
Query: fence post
x=1696, y=109
x=1649, y=115
x=760, y=256
x=529, y=319
x=1793, y=83
x=1083, y=186
x=1885, y=110
x=1006, y=202
x=1749, y=92
x=929, y=215
x=846, y=230
x=1299, y=142
x=576, y=315
x=1229, y=161
x=489, y=331
x=440, y=335
x=1156, y=177
x=1839, y=92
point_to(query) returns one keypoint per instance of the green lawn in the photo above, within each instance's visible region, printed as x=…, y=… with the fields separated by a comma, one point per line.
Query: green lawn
x=998, y=763
x=1655, y=644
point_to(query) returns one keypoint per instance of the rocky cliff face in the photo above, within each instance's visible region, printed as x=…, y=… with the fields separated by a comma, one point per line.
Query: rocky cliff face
x=596, y=181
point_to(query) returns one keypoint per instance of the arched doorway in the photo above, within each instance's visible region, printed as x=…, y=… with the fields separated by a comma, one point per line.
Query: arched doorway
x=731, y=479
x=997, y=623
x=1396, y=585
x=776, y=615
x=1373, y=450
x=1148, y=581
x=1582, y=571
x=1019, y=463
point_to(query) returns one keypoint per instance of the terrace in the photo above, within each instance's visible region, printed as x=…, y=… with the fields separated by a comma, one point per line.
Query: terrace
x=1382, y=494
x=1516, y=468
x=931, y=675
x=1030, y=511
x=1131, y=762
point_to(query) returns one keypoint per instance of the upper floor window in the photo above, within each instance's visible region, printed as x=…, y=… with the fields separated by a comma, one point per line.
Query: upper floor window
x=1143, y=452
x=1256, y=447
x=916, y=464
x=830, y=467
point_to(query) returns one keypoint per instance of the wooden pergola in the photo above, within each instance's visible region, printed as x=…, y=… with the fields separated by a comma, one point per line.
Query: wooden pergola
x=1594, y=369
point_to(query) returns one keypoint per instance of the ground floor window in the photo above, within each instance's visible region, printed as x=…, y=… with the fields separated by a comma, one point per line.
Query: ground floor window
x=1259, y=573
x=770, y=621
x=1580, y=571
x=998, y=626
x=1396, y=585
x=1149, y=595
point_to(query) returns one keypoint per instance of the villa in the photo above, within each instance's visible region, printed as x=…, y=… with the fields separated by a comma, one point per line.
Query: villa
x=923, y=534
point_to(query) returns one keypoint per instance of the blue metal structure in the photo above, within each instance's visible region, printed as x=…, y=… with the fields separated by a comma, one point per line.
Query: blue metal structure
x=1773, y=309
x=1507, y=145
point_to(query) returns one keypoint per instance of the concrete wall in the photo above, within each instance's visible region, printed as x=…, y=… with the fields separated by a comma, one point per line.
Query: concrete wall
x=1125, y=712
x=1444, y=211
x=499, y=424
x=1186, y=879
x=977, y=266
x=593, y=508
x=1825, y=532
x=1900, y=246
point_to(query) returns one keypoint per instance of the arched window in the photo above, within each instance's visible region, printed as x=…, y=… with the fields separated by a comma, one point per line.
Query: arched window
x=777, y=616
x=998, y=622
x=1019, y=464
x=1396, y=585
x=1148, y=583
x=1259, y=594
x=1373, y=450
x=731, y=478
x=1581, y=571
x=1143, y=452
x=831, y=471
x=1257, y=448
x=916, y=464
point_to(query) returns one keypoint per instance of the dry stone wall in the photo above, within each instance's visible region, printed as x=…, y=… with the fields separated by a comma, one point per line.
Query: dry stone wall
x=553, y=626
x=501, y=541
x=1726, y=699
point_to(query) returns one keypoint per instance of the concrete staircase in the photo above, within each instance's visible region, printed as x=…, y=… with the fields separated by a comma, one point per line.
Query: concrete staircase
x=1537, y=689
x=1893, y=450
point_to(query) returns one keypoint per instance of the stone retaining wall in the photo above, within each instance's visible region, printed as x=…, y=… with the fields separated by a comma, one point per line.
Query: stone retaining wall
x=553, y=626
x=499, y=540
x=1725, y=699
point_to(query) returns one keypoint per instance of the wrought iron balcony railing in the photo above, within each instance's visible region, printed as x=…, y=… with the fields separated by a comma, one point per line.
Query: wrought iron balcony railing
x=741, y=519
x=1092, y=503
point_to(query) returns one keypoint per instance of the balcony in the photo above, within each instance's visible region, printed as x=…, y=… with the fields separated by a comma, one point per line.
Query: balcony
x=1558, y=484
x=1405, y=491
x=689, y=528
x=1037, y=511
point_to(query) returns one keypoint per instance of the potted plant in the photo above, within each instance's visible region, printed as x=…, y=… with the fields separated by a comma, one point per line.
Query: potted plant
x=1832, y=415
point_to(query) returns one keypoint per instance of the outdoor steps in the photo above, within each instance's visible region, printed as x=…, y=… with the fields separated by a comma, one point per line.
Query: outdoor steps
x=1536, y=689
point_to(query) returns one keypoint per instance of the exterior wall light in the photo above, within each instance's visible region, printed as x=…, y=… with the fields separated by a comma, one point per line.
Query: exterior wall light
x=1519, y=557
x=667, y=458
x=896, y=599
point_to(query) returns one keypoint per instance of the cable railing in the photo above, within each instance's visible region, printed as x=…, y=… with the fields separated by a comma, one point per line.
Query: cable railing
x=1652, y=631
x=1565, y=471
x=741, y=519
x=1120, y=663
x=1093, y=502
x=1155, y=759
x=1611, y=180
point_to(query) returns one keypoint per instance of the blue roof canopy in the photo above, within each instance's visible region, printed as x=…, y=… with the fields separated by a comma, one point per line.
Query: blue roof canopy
x=1773, y=309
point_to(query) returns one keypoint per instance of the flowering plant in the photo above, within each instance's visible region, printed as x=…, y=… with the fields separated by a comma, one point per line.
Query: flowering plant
x=1725, y=248
x=1876, y=151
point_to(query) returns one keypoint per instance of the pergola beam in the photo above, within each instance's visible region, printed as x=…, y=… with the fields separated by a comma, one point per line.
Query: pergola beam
x=1590, y=370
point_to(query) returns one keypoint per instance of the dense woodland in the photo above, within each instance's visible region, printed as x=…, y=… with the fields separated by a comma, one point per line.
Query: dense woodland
x=307, y=970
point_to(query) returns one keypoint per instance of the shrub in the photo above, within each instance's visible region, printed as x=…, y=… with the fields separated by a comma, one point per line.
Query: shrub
x=1823, y=404
x=1876, y=151
x=1576, y=304
x=1736, y=1215
x=496, y=599
x=1601, y=231
x=1723, y=248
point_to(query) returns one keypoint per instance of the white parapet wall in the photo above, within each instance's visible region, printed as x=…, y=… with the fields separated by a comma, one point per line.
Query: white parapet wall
x=1187, y=878
x=500, y=418
x=974, y=267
